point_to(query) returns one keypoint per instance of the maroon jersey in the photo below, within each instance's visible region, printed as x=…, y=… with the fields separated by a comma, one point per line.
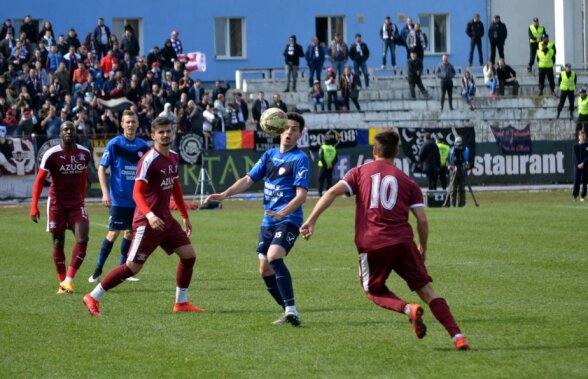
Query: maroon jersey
x=67, y=175
x=160, y=173
x=384, y=196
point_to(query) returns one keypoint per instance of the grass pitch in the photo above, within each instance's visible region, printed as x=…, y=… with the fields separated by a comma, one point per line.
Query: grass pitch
x=513, y=270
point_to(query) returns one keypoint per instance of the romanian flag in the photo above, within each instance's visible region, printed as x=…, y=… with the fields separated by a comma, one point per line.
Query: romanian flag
x=234, y=140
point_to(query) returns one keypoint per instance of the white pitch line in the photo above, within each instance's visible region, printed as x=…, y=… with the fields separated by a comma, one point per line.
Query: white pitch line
x=102, y=225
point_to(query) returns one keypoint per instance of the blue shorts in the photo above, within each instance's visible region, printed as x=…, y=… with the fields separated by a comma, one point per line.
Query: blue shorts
x=282, y=234
x=121, y=218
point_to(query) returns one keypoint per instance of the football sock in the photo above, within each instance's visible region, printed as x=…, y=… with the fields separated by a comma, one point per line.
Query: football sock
x=388, y=300
x=59, y=260
x=116, y=277
x=98, y=292
x=125, y=245
x=442, y=313
x=78, y=254
x=272, y=288
x=104, y=253
x=181, y=295
x=284, y=281
x=184, y=272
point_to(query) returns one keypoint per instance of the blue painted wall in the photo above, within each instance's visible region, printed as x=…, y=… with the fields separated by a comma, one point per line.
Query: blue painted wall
x=268, y=24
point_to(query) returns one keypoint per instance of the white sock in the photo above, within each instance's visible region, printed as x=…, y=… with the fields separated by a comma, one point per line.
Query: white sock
x=455, y=336
x=98, y=292
x=291, y=309
x=181, y=295
x=68, y=279
x=407, y=310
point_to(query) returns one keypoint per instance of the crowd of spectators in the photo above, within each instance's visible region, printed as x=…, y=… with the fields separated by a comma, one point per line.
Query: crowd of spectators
x=46, y=79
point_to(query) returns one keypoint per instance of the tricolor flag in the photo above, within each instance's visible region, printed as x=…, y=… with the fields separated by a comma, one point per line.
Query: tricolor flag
x=233, y=140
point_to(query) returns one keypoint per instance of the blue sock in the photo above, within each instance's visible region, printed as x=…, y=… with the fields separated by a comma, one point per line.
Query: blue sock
x=104, y=253
x=284, y=281
x=125, y=245
x=272, y=288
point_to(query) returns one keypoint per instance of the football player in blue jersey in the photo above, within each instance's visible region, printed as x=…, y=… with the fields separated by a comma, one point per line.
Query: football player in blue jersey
x=285, y=171
x=121, y=155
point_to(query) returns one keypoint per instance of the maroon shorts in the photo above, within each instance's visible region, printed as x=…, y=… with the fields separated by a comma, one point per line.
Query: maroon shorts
x=146, y=240
x=59, y=219
x=405, y=259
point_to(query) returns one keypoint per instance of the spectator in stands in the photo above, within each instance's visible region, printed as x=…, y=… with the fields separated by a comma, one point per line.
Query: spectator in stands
x=176, y=43
x=153, y=56
x=113, y=40
x=475, y=30
x=490, y=79
x=62, y=46
x=349, y=87
x=185, y=82
x=64, y=78
x=196, y=91
x=331, y=85
x=278, y=103
x=259, y=106
x=445, y=72
x=506, y=77
x=127, y=65
x=177, y=71
x=292, y=54
x=168, y=56
x=107, y=62
x=318, y=96
x=72, y=39
x=102, y=38
x=220, y=88
x=468, y=89
x=582, y=123
x=130, y=44
x=497, y=34
x=233, y=117
x=315, y=57
x=50, y=124
x=567, y=88
x=406, y=29
x=389, y=34
x=117, y=52
x=7, y=44
x=80, y=74
x=359, y=54
x=545, y=56
x=339, y=53
x=42, y=34
x=48, y=38
x=417, y=41
x=28, y=28
x=242, y=107
x=415, y=70
x=7, y=28
x=536, y=32
x=91, y=45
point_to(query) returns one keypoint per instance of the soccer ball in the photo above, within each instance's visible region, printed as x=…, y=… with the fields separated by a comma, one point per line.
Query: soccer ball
x=274, y=121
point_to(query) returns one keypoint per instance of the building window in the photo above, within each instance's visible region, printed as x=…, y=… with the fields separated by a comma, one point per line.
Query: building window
x=229, y=37
x=436, y=27
x=327, y=26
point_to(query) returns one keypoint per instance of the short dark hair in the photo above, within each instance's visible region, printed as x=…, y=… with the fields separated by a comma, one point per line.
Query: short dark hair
x=296, y=117
x=386, y=142
x=358, y=35
x=159, y=122
x=128, y=112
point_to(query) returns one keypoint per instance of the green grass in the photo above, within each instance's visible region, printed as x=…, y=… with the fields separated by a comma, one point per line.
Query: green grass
x=513, y=270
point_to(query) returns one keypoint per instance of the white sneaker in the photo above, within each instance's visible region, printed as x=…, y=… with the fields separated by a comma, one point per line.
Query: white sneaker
x=582, y=200
x=132, y=279
x=93, y=279
x=293, y=318
x=282, y=320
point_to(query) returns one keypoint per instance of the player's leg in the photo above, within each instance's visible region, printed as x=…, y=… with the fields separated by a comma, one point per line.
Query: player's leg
x=59, y=254
x=267, y=274
x=283, y=240
x=105, y=250
x=374, y=269
x=183, y=278
x=442, y=313
x=81, y=230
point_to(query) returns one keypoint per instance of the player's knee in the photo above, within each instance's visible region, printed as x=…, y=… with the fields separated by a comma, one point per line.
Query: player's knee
x=134, y=267
x=128, y=235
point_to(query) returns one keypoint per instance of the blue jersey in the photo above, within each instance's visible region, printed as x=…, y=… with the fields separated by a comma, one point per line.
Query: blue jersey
x=122, y=156
x=282, y=174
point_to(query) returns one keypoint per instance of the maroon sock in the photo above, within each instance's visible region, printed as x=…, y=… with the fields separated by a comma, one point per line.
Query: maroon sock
x=116, y=277
x=59, y=260
x=442, y=313
x=77, y=257
x=388, y=300
x=184, y=272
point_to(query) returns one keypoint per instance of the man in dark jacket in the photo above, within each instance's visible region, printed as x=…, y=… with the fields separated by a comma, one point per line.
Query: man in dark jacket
x=415, y=70
x=129, y=44
x=430, y=160
x=292, y=54
x=475, y=30
x=359, y=54
x=315, y=57
x=28, y=28
x=259, y=106
x=506, y=77
x=497, y=34
x=102, y=36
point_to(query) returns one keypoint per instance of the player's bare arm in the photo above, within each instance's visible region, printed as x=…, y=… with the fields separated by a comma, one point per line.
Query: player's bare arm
x=422, y=228
x=239, y=186
x=103, y=179
x=307, y=229
x=295, y=203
